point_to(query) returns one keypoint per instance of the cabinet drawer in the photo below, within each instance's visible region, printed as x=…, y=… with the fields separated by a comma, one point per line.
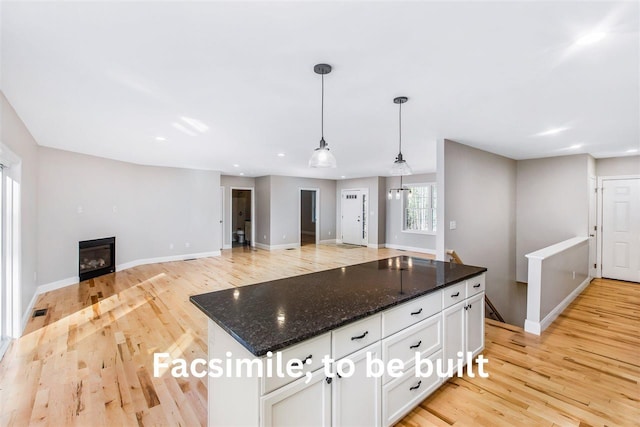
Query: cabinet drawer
x=475, y=285
x=355, y=336
x=454, y=294
x=424, y=337
x=410, y=312
x=315, y=348
x=403, y=394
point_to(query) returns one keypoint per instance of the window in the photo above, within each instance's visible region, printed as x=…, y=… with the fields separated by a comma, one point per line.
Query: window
x=419, y=208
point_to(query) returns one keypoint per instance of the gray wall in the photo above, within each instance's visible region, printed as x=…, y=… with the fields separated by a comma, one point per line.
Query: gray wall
x=614, y=166
x=147, y=208
x=14, y=134
x=285, y=193
x=480, y=195
x=552, y=204
x=375, y=217
x=382, y=210
x=228, y=181
x=395, y=235
x=306, y=212
x=262, y=222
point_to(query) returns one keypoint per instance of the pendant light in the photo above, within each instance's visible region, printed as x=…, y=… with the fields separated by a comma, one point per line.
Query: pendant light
x=322, y=157
x=400, y=167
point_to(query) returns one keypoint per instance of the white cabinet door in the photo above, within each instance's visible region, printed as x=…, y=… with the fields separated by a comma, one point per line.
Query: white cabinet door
x=454, y=326
x=298, y=404
x=475, y=323
x=356, y=399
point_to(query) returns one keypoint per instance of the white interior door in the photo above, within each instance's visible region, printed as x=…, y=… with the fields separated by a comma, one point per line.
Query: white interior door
x=621, y=229
x=352, y=217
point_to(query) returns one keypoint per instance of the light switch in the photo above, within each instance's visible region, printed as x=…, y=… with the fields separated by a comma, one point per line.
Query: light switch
x=452, y=225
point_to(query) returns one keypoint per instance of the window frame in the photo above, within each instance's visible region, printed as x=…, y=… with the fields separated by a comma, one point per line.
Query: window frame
x=430, y=231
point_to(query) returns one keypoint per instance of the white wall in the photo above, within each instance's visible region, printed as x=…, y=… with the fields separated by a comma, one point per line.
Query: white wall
x=480, y=195
x=394, y=234
x=147, y=208
x=615, y=166
x=16, y=136
x=552, y=204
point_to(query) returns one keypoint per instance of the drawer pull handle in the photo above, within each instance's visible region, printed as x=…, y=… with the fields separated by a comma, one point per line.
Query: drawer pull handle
x=416, y=386
x=359, y=337
x=476, y=286
x=416, y=312
x=304, y=362
x=457, y=294
x=416, y=345
x=328, y=380
x=469, y=305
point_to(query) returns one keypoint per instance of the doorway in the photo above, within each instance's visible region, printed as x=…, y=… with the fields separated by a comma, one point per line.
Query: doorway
x=241, y=211
x=620, y=229
x=309, y=216
x=354, y=207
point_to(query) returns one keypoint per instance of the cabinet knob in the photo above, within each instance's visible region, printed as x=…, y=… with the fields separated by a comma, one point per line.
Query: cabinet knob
x=328, y=380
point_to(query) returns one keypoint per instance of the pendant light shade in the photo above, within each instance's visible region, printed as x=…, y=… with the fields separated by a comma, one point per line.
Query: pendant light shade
x=322, y=157
x=400, y=166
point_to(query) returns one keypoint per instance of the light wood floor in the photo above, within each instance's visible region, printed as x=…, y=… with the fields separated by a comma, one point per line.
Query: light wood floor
x=88, y=362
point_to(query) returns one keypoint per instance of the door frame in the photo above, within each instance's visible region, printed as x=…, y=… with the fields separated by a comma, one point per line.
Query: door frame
x=365, y=219
x=253, y=213
x=317, y=190
x=600, y=211
x=222, y=223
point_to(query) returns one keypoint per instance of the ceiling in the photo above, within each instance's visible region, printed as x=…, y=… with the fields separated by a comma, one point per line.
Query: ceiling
x=210, y=85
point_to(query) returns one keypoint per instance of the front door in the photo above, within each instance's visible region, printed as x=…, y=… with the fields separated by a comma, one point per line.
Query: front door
x=352, y=220
x=621, y=229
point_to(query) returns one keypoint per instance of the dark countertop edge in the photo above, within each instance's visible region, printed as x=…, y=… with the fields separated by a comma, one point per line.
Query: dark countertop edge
x=304, y=337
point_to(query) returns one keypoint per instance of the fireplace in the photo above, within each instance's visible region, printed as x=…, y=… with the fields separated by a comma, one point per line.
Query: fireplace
x=96, y=257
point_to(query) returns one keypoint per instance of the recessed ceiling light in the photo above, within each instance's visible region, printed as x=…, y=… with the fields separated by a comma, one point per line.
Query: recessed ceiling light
x=591, y=38
x=575, y=146
x=343, y=177
x=160, y=138
x=241, y=173
x=236, y=166
x=552, y=131
x=280, y=154
x=633, y=150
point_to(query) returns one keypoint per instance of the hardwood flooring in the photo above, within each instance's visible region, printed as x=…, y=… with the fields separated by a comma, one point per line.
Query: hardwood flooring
x=88, y=362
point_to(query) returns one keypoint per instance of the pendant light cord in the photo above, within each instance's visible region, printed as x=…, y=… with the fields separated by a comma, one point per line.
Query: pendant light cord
x=400, y=128
x=322, y=110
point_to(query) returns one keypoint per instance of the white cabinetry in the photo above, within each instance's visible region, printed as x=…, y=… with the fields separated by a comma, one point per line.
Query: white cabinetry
x=298, y=404
x=356, y=399
x=434, y=327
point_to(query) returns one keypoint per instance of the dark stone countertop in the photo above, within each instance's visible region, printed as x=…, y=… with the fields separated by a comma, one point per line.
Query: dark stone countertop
x=273, y=315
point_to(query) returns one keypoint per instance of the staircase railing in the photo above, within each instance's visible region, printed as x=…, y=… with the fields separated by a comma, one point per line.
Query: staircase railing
x=492, y=311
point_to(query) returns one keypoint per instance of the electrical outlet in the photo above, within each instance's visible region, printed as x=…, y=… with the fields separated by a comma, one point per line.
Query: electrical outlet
x=187, y=245
x=115, y=209
x=574, y=275
x=329, y=233
x=80, y=209
x=284, y=236
x=264, y=237
x=452, y=225
x=170, y=245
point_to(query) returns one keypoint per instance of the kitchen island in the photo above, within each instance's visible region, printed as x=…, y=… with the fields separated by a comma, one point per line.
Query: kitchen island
x=382, y=310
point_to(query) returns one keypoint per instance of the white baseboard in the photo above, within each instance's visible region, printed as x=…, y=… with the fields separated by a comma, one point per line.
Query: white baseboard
x=375, y=246
x=536, y=328
x=410, y=248
x=277, y=247
x=226, y=247
x=262, y=246
x=170, y=258
x=27, y=313
x=56, y=285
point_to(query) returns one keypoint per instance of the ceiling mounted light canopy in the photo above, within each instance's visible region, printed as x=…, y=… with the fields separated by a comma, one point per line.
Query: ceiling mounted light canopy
x=322, y=157
x=400, y=166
